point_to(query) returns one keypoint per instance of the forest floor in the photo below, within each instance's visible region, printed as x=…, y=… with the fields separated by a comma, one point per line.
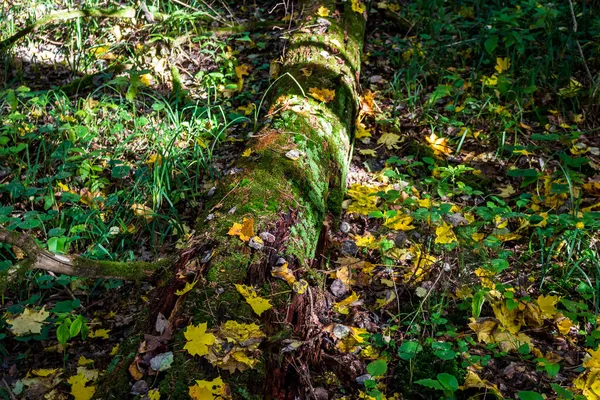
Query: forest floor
x=466, y=261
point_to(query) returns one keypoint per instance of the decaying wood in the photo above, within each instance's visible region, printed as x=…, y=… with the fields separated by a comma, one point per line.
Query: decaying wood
x=293, y=179
x=37, y=257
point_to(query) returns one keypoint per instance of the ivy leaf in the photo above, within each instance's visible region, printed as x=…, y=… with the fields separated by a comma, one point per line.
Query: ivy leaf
x=28, y=322
x=198, y=340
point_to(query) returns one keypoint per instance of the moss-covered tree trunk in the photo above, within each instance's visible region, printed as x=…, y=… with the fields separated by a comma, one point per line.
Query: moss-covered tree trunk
x=293, y=178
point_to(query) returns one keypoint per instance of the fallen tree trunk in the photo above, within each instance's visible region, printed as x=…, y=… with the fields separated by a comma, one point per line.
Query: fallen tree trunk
x=268, y=213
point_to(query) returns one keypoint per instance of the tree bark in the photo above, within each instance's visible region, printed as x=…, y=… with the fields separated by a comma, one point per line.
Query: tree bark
x=294, y=177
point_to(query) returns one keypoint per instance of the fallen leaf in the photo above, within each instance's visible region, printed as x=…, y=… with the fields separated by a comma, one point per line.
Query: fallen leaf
x=188, y=286
x=444, y=234
x=323, y=12
x=502, y=64
x=198, y=340
x=258, y=304
x=29, y=322
x=209, y=390
x=324, y=95
x=140, y=210
x=389, y=140
x=244, y=231
x=99, y=333
x=79, y=390
x=358, y=6
x=343, y=306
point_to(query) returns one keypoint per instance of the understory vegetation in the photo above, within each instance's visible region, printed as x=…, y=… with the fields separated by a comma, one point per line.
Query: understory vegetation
x=465, y=262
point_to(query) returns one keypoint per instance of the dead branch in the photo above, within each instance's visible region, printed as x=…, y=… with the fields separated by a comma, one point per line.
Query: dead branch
x=37, y=257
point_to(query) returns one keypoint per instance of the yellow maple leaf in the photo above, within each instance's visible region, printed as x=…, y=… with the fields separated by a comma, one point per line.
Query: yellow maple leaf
x=593, y=360
x=154, y=158
x=258, y=304
x=400, y=223
x=323, y=12
x=146, y=79
x=79, y=390
x=507, y=191
x=324, y=95
x=198, y=340
x=367, y=241
x=444, y=234
x=564, y=324
x=438, y=145
x=247, y=152
x=242, y=70
x=29, y=322
x=99, y=334
x=343, y=307
x=363, y=199
x=502, y=64
x=283, y=272
x=389, y=140
x=209, y=390
x=154, y=394
x=361, y=131
x=547, y=304
x=358, y=6
x=245, y=230
x=188, y=286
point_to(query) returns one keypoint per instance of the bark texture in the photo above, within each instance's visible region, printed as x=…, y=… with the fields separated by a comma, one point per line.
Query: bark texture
x=293, y=179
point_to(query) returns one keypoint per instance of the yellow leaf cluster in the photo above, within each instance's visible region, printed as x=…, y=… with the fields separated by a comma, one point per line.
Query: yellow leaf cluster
x=444, y=234
x=400, y=222
x=29, y=322
x=236, y=346
x=324, y=95
x=258, y=304
x=363, y=201
x=244, y=231
x=198, y=341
